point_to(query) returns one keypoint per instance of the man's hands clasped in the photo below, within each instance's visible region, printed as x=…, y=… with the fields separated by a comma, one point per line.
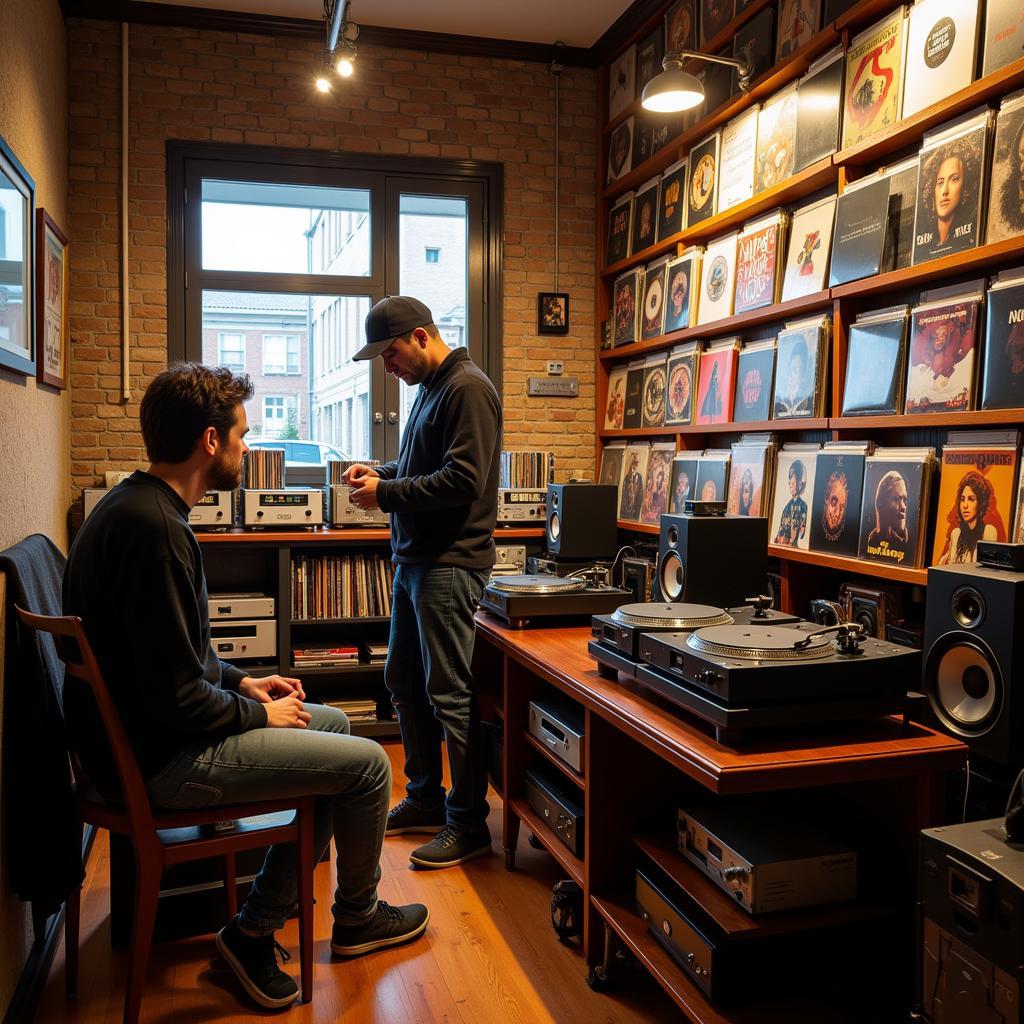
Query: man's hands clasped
x=283, y=697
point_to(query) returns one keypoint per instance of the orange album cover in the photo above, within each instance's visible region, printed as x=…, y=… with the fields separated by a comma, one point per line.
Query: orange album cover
x=874, y=79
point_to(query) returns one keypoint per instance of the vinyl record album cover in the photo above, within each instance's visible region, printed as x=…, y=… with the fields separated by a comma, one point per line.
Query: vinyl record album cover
x=684, y=482
x=626, y=298
x=1006, y=197
x=862, y=218
x=656, y=483
x=1002, y=373
x=942, y=41
x=810, y=245
x=1004, y=34
x=633, y=411
x=620, y=225
x=716, y=382
x=838, y=486
x=643, y=139
x=681, y=26
x=819, y=104
x=874, y=79
x=713, y=477
x=899, y=240
x=718, y=279
x=645, y=216
x=890, y=518
x=616, y=402
x=682, y=373
x=634, y=475
x=754, y=378
x=621, y=83
x=703, y=188
x=611, y=464
x=797, y=371
x=648, y=58
x=714, y=16
x=758, y=255
x=620, y=150
x=652, y=314
x=798, y=22
x=776, y=140
x=753, y=43
x=746, y=480
x=794, y=486
x=672, y=200
x=682, y=281
x=654, y=392
x=738, y=160
x=875, y=357
x=943, y=347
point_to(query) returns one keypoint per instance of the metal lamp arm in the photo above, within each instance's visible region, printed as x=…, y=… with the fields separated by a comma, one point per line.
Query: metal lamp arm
x=677, y=57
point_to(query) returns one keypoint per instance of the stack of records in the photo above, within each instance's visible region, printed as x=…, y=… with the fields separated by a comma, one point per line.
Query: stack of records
x=336, y=468
x=1005, y=209
x=838, y=489
x=789, y=526
x=656, y=484
x=323, y=657
x=759, y=250
x=810, y=245
x=713, y=474
x=645, y=216
x=374, y=653
x=612, y=456
x=750, y=483
x=681, y=383
x=356, y=710
x=615, y=403
x=716, y=381
x=653, y=406
x=683, y=485
x=1002, y=375
x=801, y=369
x=632, y=413
x=941, y=50
x=754, y=380
x=819, y=101
x=682, y=290
x=899, y=237
x=776, y=139
x=862, y=245
x=631, y=486
x=739, y=159
x=702, y=194
x=875, y=357
x=672, y=200
x=627, y=296
x=652, y=314
x=531, y=470
x=620, y=229
x=264, y=469
x=718, y=280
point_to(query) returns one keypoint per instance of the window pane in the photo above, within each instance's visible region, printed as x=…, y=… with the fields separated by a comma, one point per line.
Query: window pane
x=285, y=229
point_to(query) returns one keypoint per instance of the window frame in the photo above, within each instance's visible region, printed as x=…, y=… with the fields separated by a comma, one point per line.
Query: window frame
x=266, y=336
x=221, y=335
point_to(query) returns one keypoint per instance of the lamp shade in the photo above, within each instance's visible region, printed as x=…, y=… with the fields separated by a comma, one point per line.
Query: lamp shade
x=671, y=91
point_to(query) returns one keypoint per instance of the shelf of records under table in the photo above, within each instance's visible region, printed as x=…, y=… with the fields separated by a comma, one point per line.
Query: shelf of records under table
x=346, y=669
x=811, y=423
x=351, y=620
x=542, y=830
x=799, y=186
x=909, y=131
x=727, y=325
x=854, y=565
x=567, y=770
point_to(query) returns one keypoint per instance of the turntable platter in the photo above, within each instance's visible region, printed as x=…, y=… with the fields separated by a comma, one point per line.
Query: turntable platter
x=537, y=584
x=653, y=615
x=759, y=643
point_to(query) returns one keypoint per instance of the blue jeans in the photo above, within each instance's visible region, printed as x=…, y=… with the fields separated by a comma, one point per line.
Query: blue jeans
x=430, y=678
x=349, y=775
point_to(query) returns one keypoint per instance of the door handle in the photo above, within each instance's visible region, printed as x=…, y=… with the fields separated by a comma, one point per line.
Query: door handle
x=392, y=417
x=378, y=417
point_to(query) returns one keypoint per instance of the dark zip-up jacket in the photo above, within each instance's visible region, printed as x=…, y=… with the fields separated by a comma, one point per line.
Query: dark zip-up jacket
x=442, y=491
x=135, y=577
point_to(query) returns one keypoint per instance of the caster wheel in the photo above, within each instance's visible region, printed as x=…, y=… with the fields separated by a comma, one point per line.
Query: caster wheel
x=597, y=979
x=535, y=842
x=510, y=860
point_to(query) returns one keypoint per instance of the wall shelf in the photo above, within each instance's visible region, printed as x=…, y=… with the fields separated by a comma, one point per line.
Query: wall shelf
x=851, y=565
x=570, y=773
x=912, y=421
x=533, y=821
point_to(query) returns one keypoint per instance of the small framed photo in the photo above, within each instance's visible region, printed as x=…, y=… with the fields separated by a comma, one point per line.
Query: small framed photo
x=51, y=302
x=17, y=203
x=553, y=313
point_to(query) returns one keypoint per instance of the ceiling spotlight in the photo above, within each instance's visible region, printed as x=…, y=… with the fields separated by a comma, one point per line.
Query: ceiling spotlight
x=322, y=84
x=345, y=58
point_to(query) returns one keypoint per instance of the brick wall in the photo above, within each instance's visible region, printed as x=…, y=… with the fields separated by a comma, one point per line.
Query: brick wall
x=249, y=89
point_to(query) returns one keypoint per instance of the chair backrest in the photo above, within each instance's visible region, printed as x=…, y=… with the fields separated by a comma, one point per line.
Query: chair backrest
x=76, y=653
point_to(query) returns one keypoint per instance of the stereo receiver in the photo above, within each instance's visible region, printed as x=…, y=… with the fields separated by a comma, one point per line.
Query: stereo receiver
x=560, y=728
x=235, y=639
x=213, y=511
x=287, y=507
x=345, y=513
x=241, y=606
x=521, y=505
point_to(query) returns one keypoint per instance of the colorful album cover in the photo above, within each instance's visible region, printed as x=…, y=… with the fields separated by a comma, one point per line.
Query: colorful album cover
x=757, y=264
x=684, y=482
x=714, y=16
x=654, y=392
x=794, y=485
x=738, y=159
x=1004, y=34
x=874, y=79
x=943, y=344
x=620, y=150
x=712, y=478
x=1006, y=197
x=703, y=188
x=645, y=216
x=681, y=374
x=942, y=40
x=681, y=26
x=672, y=200
x=682, y=280
x=718, y=280
x=616, y=402
x=633, y=476
x=1002, y=374
x=796, y=372
x=798, y=22
x=633, y=411
x=1018, y=515
x=716, y=380
x=611, y=464
x=950, y=192
x=776, y=140
x=810, y=245
x=746, y=480
x=890, y=518
x=659, y=471
x=976, y=491
x=875, y=356
x=648, y=59
x=624, y=307
x=754, y=378
x=620, y=226
x=753, y=43
x=652, y=314
x=819, y=104
x=621, y=83
x=838, y=485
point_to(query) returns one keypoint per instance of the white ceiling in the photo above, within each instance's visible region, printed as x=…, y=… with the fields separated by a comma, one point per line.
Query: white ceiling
x=574, y=22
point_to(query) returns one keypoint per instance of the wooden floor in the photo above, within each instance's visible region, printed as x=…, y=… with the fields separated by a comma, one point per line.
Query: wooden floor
x=489, y=955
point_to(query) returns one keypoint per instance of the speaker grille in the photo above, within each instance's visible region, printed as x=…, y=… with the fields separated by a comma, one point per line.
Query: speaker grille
x=555, y=526
x=965, y=686
x=671, y=576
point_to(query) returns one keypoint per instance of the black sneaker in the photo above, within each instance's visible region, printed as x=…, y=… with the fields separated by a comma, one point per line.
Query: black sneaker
x=404, y=817
x=254, y=961
x=389, y=926
x=452, y=846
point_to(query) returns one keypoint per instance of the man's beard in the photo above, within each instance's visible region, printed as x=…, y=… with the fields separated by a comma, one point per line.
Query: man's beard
x=225, y=475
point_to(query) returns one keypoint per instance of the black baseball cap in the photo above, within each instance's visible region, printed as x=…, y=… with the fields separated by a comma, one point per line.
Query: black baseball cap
x=392, y=316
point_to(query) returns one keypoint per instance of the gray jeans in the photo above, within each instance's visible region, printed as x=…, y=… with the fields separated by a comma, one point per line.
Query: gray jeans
x=350, y=775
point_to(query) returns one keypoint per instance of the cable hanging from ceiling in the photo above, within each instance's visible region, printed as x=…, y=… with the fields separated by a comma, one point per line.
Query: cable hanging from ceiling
x=340, y=51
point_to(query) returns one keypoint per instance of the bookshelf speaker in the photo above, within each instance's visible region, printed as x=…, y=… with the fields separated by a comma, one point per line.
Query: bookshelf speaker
x=581, y=520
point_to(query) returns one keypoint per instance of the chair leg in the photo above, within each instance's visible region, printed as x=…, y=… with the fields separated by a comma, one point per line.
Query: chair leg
x=304, y=877
x=147, y=893
x=72, y=913
x=230, y=885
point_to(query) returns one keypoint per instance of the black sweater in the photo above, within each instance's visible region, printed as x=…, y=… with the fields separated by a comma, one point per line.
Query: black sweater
x=135, y=577
x=442, y=492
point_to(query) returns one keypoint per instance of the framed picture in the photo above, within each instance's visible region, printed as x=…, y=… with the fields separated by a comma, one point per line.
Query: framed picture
x=17, y=200
x=552, y=312
x=51, y=302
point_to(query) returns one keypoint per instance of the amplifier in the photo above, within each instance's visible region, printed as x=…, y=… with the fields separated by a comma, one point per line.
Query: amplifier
x=1001, y=555
x=215, y=510
x=509, y=560
x=241, y=606
x=557, y=806
x=767, y=857
x=520, y=505
x=288, y=506
x=236, y=639
x=559, y=726
x=344, y=513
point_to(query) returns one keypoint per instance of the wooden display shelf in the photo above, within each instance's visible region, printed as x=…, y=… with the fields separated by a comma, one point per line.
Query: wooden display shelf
x=628, y=524
x=353, y=536
x=540, y=828
x=814, y=423
x=852, y=565
x=354, y=620
x=359, y=669
x=972, y=418
x=864, y=13
x=567, y=770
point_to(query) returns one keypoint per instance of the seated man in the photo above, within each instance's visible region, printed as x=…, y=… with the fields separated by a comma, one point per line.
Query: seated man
x=202, y=730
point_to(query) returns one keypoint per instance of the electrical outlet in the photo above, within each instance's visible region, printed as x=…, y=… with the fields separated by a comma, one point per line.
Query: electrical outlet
x=555, y=368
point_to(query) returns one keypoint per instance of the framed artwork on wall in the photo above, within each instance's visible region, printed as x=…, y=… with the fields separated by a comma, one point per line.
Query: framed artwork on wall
x=17, y=200
x=552, y=312
x=52, y=335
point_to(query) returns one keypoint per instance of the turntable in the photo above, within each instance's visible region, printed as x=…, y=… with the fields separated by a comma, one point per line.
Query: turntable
x=517, y=599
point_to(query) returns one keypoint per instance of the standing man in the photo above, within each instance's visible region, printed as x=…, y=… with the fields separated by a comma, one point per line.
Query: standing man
x=442, y=493
x=203, y=732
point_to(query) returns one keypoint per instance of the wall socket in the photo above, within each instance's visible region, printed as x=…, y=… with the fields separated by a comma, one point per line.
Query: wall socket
x=555, y=368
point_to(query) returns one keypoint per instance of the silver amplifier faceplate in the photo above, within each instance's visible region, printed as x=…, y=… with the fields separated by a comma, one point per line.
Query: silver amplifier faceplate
x=344, y=513
x=241, y=606
x=518, y=505
x=289, y=506
x=560, y=728
x=235, y=639
x=214, y=509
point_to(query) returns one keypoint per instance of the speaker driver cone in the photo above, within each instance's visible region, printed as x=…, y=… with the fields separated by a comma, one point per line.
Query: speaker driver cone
x=965, y=687
x=555, y=526
x=671, y=576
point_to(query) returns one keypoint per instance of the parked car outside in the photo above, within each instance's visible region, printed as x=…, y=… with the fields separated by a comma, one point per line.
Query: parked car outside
x=301, y=452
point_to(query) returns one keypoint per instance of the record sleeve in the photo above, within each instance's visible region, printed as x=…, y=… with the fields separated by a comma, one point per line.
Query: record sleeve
x=645, y=216
x=810, y=244
x=681, y=26
x=754, y=378
x=620, y=150
x=1004, y=34
x=648, y=59
x=799, y=369
x=716, y=382
x=1018, y=516
x=654, y=391
x=672, y=200
x=1002, y=374
x=718, y=279
x=776, y=139
x=1006, y=196
x=714, y=16
x=682, y=290
x=862, y=222
x=680, y=387
x=684, y=482
x=891, y=518
x=713, y=475
x=621, y=83
x=950, y=192
x=798, y=21
x=620, y=228
x=875, y=357
x=652, y=315
x=758, y=263
x=626, y=299
x=943, y=347
x=611, y=463
x=819, y=103
x=656, y=483
x=738, y=159
x=753, y=43
x=838, y=487
x=746, y=479
x=874, y=79
x=615, y=404
x=643, y=139
x=634, y=475
x=632, y=415
x=976, y=491
x=703, y=189
x=899, y=239
x=942, y=40
x=794, y=487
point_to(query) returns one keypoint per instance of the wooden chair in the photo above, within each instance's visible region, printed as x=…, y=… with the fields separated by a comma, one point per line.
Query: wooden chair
x=153, y=851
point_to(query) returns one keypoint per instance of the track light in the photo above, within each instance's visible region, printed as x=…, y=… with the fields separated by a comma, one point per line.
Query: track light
x=345, y=57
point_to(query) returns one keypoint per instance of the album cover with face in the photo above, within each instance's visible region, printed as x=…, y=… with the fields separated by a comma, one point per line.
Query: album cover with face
x=652, y=313
x=645, y=216
x=681, y=384
x=621, y=83
x=874, y=79
x=1006, y=197
x=620, y=227
x=611, y=464
x=875, y=357
x=684, y=482
x=648, y=59
x=810, y=245
x=654, y=391
x=798, y=22
x=838, y=486
x=1002, y=372
x=656, y=483
x=794, y=487
x=633, y=411
x=754, y=377
x=672, y=200
x=819, y=102
x=634, y=475
x=942, y=42
x=682, y=278
x=718, y=279
x=713, y=477
x=716, y=382
x=626, y=298
x=681, y=26
x=620, y=150
x=615, y=404
x=703, y=190
x=738, y=159
x=798, y=373
x=753, y=43
x=943, y=349
x=746, y=480
x=776, y=140
x=714, y=16
x=862, y=221
x=890, y=518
